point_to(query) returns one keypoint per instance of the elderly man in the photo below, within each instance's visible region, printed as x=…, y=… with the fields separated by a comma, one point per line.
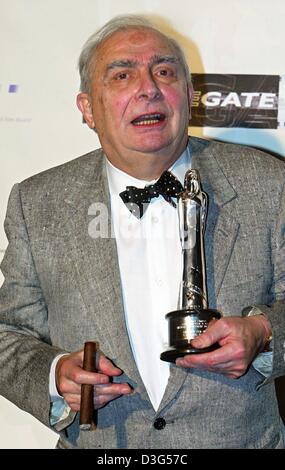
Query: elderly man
x=67, y=282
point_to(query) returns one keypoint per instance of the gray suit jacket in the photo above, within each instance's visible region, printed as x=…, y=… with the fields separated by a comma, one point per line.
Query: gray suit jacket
x=62, y=288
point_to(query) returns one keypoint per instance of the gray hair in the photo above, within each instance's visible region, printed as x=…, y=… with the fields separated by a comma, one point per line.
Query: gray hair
x=87, y=59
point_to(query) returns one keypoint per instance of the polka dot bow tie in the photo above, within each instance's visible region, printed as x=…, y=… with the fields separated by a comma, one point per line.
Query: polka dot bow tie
x=137, y=199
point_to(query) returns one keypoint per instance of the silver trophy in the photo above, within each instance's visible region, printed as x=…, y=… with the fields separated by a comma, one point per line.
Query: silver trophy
x=193, y=315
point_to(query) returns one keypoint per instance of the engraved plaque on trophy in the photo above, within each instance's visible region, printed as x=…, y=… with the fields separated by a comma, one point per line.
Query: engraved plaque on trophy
x=193, y=315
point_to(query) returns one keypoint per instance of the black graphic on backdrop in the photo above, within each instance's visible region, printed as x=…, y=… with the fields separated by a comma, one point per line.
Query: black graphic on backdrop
x=250, y=101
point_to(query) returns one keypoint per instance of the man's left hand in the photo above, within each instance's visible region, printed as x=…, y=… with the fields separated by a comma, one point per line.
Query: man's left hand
x=241, y=339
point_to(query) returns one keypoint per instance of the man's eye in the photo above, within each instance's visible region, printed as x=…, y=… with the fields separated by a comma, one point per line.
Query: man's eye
x=166, y=73
x=121, y=76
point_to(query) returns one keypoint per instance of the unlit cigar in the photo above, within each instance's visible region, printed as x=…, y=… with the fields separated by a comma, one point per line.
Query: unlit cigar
x=88, y=415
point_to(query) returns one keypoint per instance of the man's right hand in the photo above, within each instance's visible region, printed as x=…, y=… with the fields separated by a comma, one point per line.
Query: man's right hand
x=70, y=376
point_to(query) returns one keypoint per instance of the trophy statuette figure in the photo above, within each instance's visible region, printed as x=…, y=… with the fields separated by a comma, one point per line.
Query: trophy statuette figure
x=193, y=315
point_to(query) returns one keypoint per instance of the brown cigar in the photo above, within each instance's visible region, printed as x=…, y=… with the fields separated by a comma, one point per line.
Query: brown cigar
x=88, y=416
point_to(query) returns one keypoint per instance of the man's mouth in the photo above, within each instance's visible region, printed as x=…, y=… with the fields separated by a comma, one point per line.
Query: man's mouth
x=148, y=119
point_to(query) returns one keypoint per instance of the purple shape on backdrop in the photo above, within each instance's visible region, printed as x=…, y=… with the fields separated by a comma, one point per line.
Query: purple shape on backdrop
x=13, y=88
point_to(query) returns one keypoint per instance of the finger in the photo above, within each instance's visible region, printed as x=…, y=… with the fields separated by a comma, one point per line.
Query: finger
x=102, y=400
x=74, y=407
x=211, y=336
x=73, y=385
x=73, y=400
x=107, y=367
x=69, y=361
x=92, y=378
x=114, y=389
x=214, y=359
x=76, y=357
x=103, y=364
x=75, y=375
x=68, y=386
x=215, y=332
x=233, y=366
x=227, y=368
x=105, y=393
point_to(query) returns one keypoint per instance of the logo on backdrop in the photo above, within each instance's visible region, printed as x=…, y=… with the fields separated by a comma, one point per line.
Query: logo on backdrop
x=10, y=88
x=11, y=105
x=251, y=101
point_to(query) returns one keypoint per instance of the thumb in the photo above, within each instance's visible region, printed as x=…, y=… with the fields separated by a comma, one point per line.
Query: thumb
x=211, y=335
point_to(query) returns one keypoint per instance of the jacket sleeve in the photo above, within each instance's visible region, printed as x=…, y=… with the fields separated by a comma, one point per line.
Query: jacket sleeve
x=26, y=352
x=276, y=311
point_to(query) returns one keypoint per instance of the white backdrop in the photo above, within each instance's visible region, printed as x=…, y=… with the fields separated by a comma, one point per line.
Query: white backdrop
x=40, y=126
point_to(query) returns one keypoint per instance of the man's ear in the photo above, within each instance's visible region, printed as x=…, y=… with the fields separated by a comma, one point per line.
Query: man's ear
x=84, y=105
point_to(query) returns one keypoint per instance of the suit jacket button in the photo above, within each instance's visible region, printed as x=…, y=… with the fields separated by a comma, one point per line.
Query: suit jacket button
x=159, y=423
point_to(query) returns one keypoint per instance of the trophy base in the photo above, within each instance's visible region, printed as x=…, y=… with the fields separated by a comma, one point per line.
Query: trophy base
x=172, y=354
x=185, y=325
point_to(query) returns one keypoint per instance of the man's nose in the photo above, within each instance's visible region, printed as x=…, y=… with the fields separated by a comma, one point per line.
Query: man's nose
x=148, y=88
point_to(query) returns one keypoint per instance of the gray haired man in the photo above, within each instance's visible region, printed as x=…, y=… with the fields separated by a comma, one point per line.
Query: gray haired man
x=65, y=285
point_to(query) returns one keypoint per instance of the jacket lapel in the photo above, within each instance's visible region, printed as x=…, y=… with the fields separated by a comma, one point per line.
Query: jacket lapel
x=95, y=265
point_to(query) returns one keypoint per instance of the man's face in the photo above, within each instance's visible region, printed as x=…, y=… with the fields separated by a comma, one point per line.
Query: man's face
x=139, y=99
